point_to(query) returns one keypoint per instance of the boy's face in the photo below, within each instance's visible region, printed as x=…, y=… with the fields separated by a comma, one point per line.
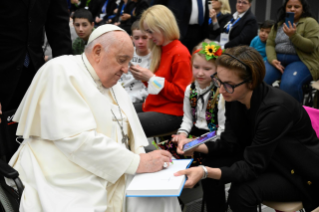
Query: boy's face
x=83, y=28
x=140, y=40
x=263, y=34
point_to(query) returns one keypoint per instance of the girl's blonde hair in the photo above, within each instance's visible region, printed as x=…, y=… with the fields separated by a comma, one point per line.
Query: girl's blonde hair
x=159, y=19
x=225, y=6
x=213, y=61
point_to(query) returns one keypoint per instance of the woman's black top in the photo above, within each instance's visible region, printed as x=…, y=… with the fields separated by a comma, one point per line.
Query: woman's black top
x=275, y=134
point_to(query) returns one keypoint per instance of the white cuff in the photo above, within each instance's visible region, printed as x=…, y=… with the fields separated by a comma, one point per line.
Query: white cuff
x=155, y=85
x=134, y=165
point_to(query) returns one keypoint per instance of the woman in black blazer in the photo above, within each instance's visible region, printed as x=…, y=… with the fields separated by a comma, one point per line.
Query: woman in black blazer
x=268, y=135
x=243, y=26
x=220, y=15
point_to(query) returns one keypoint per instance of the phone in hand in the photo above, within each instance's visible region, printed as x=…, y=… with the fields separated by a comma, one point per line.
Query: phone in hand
x=210, y=5
x=210, y=136
x=290, y=17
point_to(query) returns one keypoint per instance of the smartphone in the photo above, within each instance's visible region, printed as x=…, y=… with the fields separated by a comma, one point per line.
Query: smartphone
x=210, y=136
x=290, y=17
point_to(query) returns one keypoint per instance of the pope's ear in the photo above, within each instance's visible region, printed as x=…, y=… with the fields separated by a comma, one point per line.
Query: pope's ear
x=96, y=52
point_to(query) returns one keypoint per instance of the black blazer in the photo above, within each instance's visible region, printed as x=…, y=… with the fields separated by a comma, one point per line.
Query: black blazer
x=182, y=10
x=140, y=7
x=274, y=134
x=223, y=19
x=22, y=29
x=243, y=31
x=97, y=5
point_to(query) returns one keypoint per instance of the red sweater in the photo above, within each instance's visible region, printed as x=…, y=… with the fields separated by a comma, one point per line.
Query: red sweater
x=175, y=67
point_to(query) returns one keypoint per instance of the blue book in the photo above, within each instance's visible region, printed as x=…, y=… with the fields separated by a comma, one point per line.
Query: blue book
x=160, y=184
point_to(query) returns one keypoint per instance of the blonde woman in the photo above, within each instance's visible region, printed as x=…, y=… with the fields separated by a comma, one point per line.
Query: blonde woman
x=220, y=15
x=169, y=75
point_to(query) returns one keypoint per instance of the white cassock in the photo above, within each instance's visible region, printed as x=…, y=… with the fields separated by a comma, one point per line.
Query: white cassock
x=72, y=158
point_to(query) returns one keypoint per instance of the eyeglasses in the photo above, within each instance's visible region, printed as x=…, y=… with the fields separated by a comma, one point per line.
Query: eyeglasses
x=242, y=2
x=228, y=88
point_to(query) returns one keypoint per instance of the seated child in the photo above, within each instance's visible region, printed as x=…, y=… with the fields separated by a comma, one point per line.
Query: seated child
x=259, y=42
x=83, y=25
x=204, y=108
x=142, y=57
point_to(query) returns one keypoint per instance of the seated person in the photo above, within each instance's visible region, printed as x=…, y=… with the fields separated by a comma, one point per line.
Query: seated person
x=84, y=25
x=118, y=12
x=204, y=108
x=269, y=150
x=132, y=12
x=259, y=42
x=142, y=57
x=293, y=51
x=82, y=139
x=169, y=75
x=242, y=28
x=101, y=10
x=220, y=15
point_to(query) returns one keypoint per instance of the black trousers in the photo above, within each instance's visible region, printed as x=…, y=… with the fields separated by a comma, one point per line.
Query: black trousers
x=155, y=123
x=269, y=186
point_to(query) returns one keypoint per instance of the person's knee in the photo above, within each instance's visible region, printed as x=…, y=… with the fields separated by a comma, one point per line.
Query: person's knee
x=241, y=196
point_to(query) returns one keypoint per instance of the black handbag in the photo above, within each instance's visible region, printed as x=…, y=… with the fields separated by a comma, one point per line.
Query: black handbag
x=9, y=142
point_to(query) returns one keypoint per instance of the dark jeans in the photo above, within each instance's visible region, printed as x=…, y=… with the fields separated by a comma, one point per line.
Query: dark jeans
x=295, y=75
x=155, y=123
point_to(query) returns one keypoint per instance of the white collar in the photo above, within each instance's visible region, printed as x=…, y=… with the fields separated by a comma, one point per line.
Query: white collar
x=199, y=90
x=236, y=15
x=90, y=68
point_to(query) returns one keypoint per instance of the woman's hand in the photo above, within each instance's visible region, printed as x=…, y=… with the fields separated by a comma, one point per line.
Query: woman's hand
x=180, y=147
x=291, y=30
x=193, y=174
x=278, y=66
x=179, y=137
x=213, y=15
x=141, y=73
x=125, y=16
x=153, y=161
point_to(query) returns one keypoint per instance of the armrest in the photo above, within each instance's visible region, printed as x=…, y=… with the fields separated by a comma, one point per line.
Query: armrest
x=7, y=171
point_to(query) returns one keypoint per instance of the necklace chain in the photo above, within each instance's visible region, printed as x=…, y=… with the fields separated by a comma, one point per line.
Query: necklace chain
x=125, y=137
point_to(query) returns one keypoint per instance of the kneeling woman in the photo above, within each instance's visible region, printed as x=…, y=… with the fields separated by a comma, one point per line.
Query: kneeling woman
x=269, y=131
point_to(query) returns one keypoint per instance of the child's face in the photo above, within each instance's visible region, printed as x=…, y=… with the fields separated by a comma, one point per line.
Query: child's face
x=140, y=40
x=202, y=70
x=83, y=28
x=263, y=34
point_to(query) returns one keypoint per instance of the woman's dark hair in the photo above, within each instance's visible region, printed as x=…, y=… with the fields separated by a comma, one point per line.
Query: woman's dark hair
x=254, y=68
x=282, y=12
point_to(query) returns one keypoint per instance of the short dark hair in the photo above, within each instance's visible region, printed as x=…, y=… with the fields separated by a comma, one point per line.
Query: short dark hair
x=83, y=13
x=281, y=13
x=135, y=26
x=267, y=24
x=251, y=58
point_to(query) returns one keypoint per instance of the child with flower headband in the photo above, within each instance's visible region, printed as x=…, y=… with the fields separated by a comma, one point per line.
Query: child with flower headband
x=203, y=106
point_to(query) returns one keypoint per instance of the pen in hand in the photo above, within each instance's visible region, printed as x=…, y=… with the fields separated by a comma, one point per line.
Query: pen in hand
x=154, y=144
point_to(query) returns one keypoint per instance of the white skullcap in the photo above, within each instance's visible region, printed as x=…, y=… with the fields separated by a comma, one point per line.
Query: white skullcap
x=102, y=30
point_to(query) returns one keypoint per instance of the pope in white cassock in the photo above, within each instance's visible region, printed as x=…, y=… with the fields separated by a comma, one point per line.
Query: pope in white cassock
x=83, y=141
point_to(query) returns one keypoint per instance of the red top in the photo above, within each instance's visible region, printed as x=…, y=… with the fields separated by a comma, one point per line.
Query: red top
x=175, y=67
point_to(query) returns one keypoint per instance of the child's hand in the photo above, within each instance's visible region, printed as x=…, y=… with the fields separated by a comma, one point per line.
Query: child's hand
x=178, y=137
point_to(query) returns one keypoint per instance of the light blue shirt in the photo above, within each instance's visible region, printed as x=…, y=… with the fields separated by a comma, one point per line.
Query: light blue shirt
x=260, y=46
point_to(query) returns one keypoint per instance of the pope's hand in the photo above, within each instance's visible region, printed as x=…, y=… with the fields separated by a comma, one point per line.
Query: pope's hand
x=141, y=73
x=193, y=174
x=153, y=161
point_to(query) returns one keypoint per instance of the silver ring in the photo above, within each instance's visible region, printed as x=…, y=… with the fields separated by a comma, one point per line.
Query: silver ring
x=165, y=165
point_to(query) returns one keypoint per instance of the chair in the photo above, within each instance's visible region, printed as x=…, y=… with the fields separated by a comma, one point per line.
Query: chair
x=9, y=198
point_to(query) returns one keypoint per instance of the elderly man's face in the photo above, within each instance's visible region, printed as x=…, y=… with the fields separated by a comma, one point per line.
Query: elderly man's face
x=115, y=61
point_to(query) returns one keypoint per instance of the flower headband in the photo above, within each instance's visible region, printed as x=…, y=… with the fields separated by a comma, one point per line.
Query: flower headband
x=211, y=50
